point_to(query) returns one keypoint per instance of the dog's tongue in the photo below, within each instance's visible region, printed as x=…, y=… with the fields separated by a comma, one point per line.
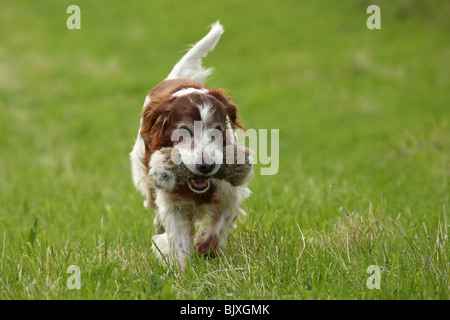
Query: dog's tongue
x=200, y=182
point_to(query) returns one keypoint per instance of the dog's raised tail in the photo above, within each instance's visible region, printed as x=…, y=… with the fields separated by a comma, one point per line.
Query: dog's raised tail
x=190, y=66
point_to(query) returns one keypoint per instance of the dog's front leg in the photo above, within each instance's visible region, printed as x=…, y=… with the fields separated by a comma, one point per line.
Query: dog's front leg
x=211, y=241
x=180, y=228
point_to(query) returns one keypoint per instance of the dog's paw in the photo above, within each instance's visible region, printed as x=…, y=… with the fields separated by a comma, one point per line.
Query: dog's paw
x=161, y=168
x=206, y=244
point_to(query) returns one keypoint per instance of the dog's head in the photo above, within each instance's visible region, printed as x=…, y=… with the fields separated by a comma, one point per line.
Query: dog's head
x=198, y=122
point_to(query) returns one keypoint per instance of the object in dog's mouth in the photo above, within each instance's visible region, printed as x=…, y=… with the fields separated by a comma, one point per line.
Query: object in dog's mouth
x=199, y=184
x=171, y=176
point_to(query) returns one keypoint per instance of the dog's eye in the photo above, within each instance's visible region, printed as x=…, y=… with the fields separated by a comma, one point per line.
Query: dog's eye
x=218, y=128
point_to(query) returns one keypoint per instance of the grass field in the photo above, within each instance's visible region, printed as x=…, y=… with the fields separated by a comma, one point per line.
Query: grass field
x=364, y=148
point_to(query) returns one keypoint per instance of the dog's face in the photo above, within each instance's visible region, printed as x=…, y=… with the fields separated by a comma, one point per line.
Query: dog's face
x=197, y=122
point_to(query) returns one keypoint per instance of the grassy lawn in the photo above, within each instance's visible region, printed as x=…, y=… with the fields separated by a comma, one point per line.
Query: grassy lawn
x=364, y=120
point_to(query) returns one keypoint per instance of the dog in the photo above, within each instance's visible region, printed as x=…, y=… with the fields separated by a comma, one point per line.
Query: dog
x=207, y=119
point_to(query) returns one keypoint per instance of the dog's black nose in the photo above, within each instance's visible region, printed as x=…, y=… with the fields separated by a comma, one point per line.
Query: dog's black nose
x=205, y=168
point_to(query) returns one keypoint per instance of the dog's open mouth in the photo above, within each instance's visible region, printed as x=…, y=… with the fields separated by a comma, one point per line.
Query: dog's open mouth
x=199, y=184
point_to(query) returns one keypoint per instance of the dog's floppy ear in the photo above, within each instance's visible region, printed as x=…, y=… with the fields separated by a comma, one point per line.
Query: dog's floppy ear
x=230, y=108
x=155, y=119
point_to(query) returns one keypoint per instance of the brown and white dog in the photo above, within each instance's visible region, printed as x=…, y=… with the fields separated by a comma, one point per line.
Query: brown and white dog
x=182, y=103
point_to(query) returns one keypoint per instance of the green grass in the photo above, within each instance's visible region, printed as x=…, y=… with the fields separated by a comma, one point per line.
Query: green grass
x=364, y=148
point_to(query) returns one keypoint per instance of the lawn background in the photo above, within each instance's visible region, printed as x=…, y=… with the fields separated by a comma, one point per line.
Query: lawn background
x=364, y=148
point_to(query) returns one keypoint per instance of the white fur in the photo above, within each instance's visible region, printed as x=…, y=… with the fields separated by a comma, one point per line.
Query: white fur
x=174, y=217
x=141, y=179
x=157, y=170
x=205, y=113
x=186, y=91
x=190, y=66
